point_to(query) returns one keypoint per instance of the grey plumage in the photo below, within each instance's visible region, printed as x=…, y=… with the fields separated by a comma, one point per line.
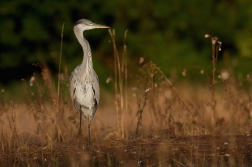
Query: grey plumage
x=84, y=83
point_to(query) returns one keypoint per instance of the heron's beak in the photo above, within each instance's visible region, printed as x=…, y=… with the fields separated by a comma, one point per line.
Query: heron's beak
x=99, y=26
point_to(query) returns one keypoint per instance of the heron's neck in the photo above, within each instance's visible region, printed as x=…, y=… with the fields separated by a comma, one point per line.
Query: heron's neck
x=87, y=63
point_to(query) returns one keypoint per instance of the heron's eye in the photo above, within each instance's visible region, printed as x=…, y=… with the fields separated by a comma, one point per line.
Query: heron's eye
x=89, y=24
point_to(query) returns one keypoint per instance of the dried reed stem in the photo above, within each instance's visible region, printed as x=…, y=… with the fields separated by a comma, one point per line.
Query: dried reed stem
x=112, y=34
x=214, y=61
x=216, y=47
x=14, y=139
x=120, y=67
x=140, y=112
x=123, y=84
x=61, y=45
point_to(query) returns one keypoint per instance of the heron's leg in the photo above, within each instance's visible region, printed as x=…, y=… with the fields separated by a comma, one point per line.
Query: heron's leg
x=89, y=123
x=80, y=128
x=80, y=137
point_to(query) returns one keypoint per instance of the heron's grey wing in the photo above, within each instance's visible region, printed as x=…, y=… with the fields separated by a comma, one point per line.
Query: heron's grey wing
x=96, y=93
x=96, y=87
x=73, y=81
x=73, y=85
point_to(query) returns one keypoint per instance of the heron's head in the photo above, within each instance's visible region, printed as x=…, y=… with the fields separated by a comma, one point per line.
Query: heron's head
x=84, y=24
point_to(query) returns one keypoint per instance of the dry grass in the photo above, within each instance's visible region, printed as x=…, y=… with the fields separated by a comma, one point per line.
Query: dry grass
x=151, y=120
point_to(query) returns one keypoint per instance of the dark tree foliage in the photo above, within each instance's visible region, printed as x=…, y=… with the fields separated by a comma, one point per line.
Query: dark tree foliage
x=170, y=33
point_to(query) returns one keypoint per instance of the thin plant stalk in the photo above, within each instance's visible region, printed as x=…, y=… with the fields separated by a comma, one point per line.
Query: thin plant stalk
x=112, y=34
x=216, y=47
x=126, y=72
x=214, y=61
x=120, y=82
x=58, y=87
x=123, y=83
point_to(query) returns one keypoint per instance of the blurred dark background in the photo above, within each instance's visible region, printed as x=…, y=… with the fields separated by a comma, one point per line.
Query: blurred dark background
x=169, y=33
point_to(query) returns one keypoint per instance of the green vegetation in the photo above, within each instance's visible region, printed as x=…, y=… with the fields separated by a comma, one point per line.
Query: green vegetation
x=169, y=33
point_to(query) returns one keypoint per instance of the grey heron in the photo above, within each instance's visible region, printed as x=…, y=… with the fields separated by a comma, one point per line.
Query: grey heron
x=84, y=83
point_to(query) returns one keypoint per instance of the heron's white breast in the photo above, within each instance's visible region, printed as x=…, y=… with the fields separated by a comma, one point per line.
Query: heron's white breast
x=84, y=95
